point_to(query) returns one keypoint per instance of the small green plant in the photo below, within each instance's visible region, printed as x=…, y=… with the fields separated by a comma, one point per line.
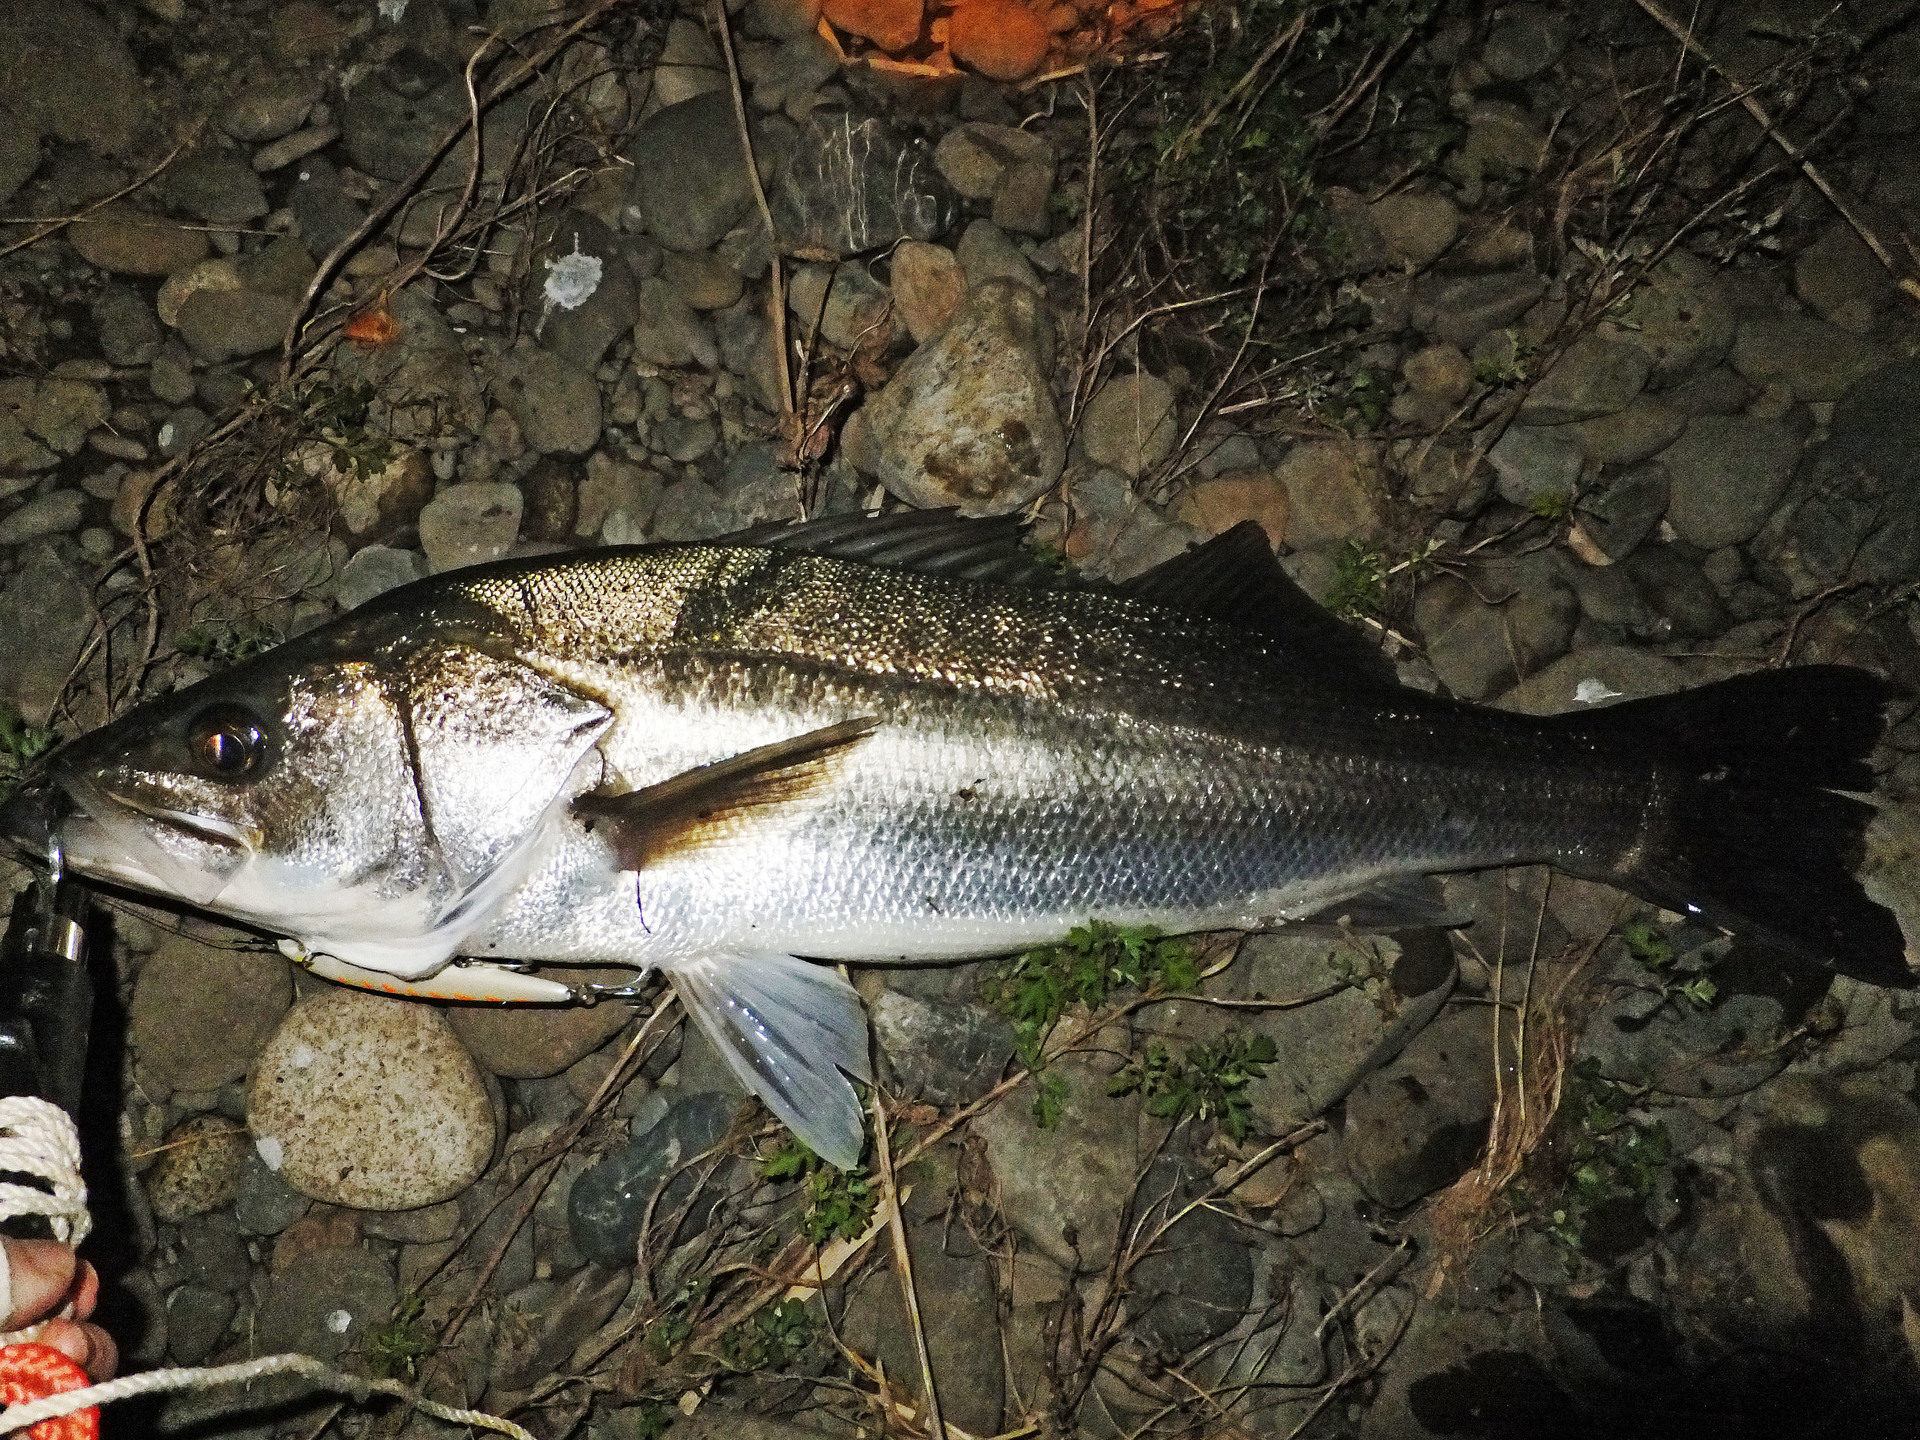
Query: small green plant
x=1647, y=945
x=1049, y=1099
x=1054, y=558
x=1366, y=963
x=1654, y=951
x=1549, y=504
x=664, y=1336
x=1503, y=358
x=650, y=1420
x=1610, y=1154
x=21, y=744
x=839, y=1202
x=395, y=1350
x=769, y=1340
x=1094, y=960
x=336, y=411
x=1208, y=1084
x=1699, y=992
x=1362, y=407
x=227, y=643
x=1359, y=589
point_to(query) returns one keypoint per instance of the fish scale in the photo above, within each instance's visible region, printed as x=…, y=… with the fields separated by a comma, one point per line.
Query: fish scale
x=729, y=760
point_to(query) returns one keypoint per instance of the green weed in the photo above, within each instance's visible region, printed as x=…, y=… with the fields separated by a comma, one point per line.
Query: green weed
x=769, y=1340
x=1366, y=963
x=335, y=412
x=1549, y=504
x=1654, y=951
x=1094, y=960
x=839, y=1202
x=1359, y=589
x=1363, y=406
x=1363, y=574
x=1091, y=963
x=1049, y=1099
x=395, y=1350
x=1227, y=171
x=1610, y=1154
x=21, y=744
x=671, y=1329
x=227, y=643
x=651, y=1420
x=1647, y=945
x=1503, y=358
x=1208, y=1084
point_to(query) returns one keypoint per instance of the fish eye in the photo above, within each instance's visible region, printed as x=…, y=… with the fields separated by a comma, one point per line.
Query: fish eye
x=226, y=743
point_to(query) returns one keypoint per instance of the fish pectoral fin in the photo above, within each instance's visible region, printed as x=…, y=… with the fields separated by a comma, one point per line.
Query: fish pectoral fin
x=695, y=806
x=789, y=1028
x=1411, y=902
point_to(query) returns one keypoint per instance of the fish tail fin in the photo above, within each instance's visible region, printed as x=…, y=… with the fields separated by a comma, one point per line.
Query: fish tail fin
x=788, y=1028
x=1755, y=836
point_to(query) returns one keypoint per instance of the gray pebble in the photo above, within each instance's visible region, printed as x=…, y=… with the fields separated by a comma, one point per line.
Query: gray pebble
x=51, y=514
x=128, y=329
x=269, y=109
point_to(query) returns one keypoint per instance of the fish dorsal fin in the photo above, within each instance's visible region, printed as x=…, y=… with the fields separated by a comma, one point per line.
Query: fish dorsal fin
x=789, y=1029
x=929, y=542
x=1232, y=579
x=697, y=806
x=1235, y=579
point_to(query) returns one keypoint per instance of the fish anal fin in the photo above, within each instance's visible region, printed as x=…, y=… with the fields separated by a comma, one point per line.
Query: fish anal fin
x=789, y=1029
x=697, y=806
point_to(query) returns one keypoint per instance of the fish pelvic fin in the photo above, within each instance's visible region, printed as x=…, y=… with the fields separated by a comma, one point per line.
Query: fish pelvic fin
x=697, y=806
x=792, y=1031
x=1752, y=833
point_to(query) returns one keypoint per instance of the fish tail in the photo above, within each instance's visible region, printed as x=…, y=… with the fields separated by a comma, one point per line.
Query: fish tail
x=1752, y=834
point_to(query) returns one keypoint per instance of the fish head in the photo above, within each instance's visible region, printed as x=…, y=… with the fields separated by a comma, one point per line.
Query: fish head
x=370, y=803
x=275, y=779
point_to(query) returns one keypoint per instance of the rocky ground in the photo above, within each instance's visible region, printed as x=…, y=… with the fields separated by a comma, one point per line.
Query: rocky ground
x=1523, y=331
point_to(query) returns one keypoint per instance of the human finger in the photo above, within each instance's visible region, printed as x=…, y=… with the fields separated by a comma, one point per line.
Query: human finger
x=87, y=1345
x=39, y=1275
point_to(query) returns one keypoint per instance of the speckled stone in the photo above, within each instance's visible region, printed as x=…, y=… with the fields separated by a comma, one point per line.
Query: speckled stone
x=200, y=1013
x=198, y=1169
x=370, y=1102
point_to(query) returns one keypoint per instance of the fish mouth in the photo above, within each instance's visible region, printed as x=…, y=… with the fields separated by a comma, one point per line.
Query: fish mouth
x=210, y=829
x=113, y=832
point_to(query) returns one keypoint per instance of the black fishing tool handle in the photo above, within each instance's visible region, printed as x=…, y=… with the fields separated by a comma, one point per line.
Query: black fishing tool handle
x=46, y=1007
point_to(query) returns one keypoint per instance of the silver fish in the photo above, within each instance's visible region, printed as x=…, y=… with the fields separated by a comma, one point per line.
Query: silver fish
x=849, y=741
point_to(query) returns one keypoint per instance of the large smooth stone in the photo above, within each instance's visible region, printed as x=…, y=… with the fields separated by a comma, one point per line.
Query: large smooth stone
x=364, y=1101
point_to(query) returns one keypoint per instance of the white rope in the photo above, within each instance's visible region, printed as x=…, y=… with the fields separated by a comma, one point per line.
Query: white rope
x=19, y=1417
x=37, y=1138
